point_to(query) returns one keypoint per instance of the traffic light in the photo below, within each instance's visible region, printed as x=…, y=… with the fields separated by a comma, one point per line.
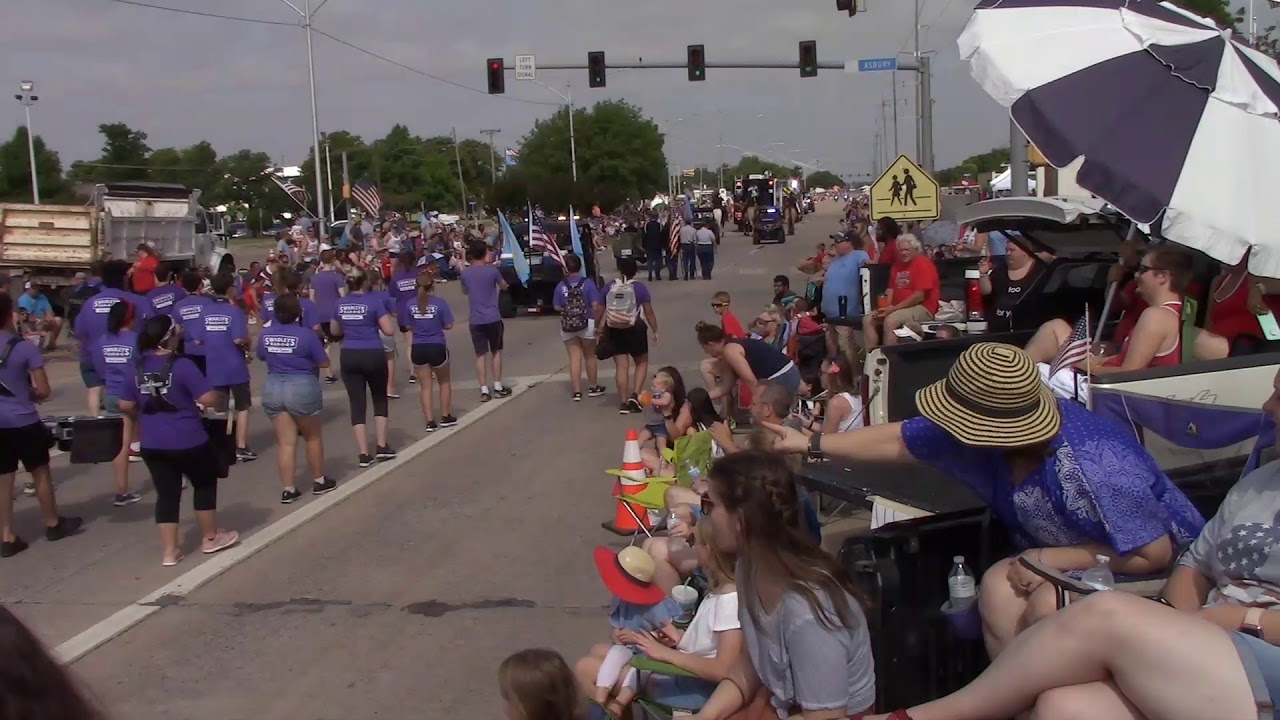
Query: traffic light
x=849, y=6
x=697, y=64
x=808, y=58
x=595, y=68
x=497, y=76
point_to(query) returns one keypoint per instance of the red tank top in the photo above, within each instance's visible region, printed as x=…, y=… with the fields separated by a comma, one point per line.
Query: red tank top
x=1230, y=316
x=1170, y=358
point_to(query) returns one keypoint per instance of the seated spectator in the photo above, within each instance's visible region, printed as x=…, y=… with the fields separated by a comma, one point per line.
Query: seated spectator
x=1005, y=284
x=912, y=296
x=771, y=326
x=887, y=233
x=537, y=684
x=1116, y=655
x=1066, y=483
x=782, y=295
x=40, y=319
x=843, y=410
x=666, y=417
x=1236, y=300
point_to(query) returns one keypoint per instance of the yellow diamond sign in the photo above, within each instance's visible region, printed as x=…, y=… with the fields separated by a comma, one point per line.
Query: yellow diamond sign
x=905, y=192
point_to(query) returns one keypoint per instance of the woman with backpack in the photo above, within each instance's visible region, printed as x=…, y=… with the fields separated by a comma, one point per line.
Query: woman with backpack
x=625, y=336
x=575, y=297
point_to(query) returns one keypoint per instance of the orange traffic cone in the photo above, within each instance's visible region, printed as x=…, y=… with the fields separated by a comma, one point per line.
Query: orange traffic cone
x=629, y=518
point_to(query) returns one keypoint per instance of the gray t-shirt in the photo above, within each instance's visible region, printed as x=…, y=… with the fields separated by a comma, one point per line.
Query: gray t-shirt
x=688, y=234
x=705, y=236
x=1235, y=549
x=803, y=663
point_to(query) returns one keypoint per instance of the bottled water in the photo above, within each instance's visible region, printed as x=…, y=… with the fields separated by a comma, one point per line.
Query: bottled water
x=675, y=543
x=962, y=588
x=695, y=478
x=1099, y=576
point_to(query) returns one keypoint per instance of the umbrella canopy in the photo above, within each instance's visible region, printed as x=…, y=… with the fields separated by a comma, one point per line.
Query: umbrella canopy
x=1176, y=121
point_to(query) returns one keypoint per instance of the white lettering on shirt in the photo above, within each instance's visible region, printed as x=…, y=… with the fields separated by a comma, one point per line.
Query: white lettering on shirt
x=117, y=354
x=217, y=323
x=280, y=344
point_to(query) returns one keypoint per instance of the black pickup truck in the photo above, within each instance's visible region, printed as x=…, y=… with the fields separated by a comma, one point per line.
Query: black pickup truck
x=544, y=272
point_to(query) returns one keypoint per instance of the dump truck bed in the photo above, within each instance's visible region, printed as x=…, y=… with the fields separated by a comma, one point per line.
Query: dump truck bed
x=47, y=235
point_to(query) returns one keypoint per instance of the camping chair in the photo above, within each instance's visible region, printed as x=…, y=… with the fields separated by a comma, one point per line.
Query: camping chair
x=653, y=708
x=1065, y=586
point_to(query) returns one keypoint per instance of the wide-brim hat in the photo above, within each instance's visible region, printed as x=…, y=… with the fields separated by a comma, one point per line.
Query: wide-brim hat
x=992, y=397
x=628, y=574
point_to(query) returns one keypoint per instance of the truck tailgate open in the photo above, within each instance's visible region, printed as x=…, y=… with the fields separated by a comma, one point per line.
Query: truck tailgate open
x=47, y=235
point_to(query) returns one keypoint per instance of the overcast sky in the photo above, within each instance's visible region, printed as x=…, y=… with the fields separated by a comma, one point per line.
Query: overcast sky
x=184, y=78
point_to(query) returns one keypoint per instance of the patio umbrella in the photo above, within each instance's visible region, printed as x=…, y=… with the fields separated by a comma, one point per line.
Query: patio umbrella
x=1176, y=121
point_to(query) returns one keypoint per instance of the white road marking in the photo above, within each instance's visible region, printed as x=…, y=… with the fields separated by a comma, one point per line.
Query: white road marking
x=120, y=622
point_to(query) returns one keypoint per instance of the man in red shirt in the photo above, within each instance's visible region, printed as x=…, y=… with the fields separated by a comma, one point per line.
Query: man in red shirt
x=710, y=367
x=887, y=232
x=912, y=296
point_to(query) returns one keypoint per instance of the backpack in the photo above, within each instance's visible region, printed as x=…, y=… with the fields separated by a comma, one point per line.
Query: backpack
x=573, y=318
x=621, y=308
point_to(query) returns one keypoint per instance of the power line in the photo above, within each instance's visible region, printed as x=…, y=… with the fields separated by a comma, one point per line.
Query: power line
x=206, y=14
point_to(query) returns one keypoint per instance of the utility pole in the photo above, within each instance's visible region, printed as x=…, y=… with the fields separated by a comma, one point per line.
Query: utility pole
x=1018, y=186
x=926, y=112
x=462, y=186
x=919, y=91
x=28, y=99
x=493, y=162
x=884, y=132
x=346, y=184
x=573, y=144
x=328, y=163
x=315, y=123
x=897, y=150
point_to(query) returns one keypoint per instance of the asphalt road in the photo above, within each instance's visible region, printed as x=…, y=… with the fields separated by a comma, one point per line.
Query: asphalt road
x=398, y=594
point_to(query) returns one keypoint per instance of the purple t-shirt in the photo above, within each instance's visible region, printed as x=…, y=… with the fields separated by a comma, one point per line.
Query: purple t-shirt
x=16, y=407
x=327, y=285
x=188, y=313
x=180, y=430
x=590, y=294
x=91, y=323
x=428, y=323
x=404, y=290
x=290, y=350
x=642, y=294
x=481, y=283
x=309, y=311
x=358, y=315
x=224, y=323
x=113, y=359
x=164, y=297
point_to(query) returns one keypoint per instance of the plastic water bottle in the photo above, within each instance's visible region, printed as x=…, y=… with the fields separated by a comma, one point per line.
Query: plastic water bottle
x=675, y=543
x=962, y=587
x=1099, y=576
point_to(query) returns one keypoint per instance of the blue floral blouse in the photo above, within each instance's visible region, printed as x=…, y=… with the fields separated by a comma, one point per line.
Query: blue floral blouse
x=1097, y=484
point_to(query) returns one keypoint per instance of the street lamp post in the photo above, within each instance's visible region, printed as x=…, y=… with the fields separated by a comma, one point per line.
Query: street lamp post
x=28, y=98
x=568, y=99
x=307, y=14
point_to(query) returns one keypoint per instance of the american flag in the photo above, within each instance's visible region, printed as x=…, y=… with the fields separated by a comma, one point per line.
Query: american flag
x=538, y=238
x=1075, y=349
x=297, y=192
x=366, y=193
x=673, y=230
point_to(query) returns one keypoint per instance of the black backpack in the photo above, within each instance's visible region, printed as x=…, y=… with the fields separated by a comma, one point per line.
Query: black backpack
x=573, y=319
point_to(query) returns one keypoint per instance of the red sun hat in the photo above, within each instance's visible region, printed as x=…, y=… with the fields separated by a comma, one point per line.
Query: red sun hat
x=628, y=574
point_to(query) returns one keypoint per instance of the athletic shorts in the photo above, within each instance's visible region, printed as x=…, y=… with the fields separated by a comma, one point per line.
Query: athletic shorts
x=239, y=393
x=90, y=375
x=587, y=334
x=388, y=344
x=633, y=341
x=430, y=354
x=487, y=338
x=28, y=445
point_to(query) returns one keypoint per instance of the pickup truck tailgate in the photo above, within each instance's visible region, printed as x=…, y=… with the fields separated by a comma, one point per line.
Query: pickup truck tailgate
x=47, y=235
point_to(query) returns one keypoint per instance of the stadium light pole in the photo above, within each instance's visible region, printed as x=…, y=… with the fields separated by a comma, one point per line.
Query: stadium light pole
x=28, y=98
x=306, y=13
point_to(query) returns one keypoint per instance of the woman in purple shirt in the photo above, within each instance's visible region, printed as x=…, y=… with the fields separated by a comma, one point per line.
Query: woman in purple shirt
x=429, y=317
x=23, y=437
x=327, y=288
x=163, y=297
x=167, y=393
x=578, y=326
x=358, y=321
x=403, y=288
x=114, y=358
x=292, y=397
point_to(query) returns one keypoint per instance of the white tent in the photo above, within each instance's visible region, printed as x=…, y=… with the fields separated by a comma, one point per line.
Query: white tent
x=1004, y=183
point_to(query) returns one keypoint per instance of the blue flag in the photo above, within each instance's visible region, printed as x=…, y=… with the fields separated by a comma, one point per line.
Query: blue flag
x=573, y=235
x=512, y=247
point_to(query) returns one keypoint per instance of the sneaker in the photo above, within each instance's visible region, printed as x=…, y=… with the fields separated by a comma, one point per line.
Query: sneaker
x=66, y=527
x=595, y=391
x=634, y=403
x=448, y=421
x=135, y=456
x=366, y=460
x=324, y=485
x=624, y=408
x=124, y=499
x=288, y=496
x=219, y=542
x=413, y=379
x=577, y=397
x=246, y=455
x=384, y=452
x=502, y=392
x=393, y=396
x=432, y=426
x=9, y=549
x=29, y=489
x=330, y=379
x=485, y=396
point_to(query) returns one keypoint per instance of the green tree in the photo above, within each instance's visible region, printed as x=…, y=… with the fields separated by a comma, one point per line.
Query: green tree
x=823, y=179
x=243, y=181
x=125, y=156
x=973, y=166
x=1219, y=11
x=15, y=170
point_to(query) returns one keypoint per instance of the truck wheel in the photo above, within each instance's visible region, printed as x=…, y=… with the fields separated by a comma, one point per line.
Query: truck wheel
x=506, y=305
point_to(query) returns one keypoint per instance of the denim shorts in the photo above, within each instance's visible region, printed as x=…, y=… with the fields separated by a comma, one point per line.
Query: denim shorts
x=89, y=375
x=294, y=395
x=681, y=693
x=658, y=430
x=1261, y=661
x=111, y=406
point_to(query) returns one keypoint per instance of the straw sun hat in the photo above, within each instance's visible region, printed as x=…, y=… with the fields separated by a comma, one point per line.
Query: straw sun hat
x=992, y=397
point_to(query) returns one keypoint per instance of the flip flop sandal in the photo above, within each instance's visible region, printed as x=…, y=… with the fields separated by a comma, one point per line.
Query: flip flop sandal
x=175, y=561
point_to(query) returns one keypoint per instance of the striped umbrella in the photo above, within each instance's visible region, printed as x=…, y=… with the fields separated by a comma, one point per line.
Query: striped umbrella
x=1176, y=120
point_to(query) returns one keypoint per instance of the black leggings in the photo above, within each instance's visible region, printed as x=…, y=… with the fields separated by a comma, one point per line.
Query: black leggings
x=361, y=368
x=167, y=467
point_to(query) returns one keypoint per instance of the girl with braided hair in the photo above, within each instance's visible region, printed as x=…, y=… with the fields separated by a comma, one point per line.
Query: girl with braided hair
x=808, y=646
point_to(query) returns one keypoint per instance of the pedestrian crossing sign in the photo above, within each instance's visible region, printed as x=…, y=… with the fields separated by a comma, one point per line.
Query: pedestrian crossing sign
x=905, y=192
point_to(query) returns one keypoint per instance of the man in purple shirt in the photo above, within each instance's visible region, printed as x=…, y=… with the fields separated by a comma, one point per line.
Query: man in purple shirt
x=481, y=283
x=225, y=330
x=576, y=297
x=164, y=296
x=91, y=324
x=188, y=312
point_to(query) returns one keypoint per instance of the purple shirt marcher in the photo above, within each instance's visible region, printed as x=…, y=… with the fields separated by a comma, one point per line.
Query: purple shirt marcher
x=404, y=290
x=428, y=323
x=224, y=323
x=590, y=294
x=91, y=323
x=642, y=294
x=19, y=410
x=481, y=284
x=291, y=350
x=358, y=315
x=113, y=359
x=188, y=313
x=309, y=311
x=327, y=285
x=181, y=430
x=164, y=297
